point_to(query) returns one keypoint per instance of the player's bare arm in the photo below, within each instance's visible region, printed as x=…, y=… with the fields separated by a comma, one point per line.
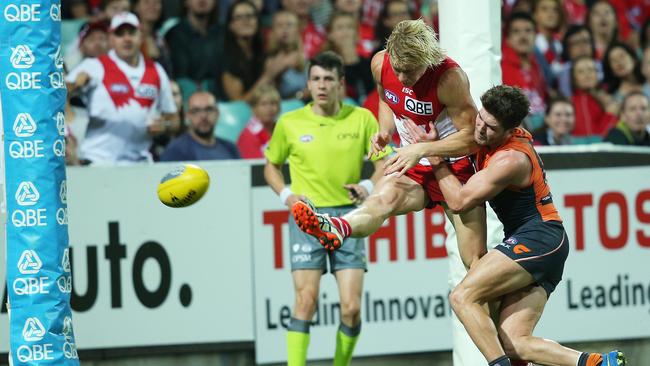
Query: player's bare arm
x=506, y=168
x=453, y=92
x=385, y=114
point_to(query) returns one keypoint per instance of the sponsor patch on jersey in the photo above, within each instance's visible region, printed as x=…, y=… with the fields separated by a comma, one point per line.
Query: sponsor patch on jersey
x=391, y=97
x=418, y=107
x=306, y=138
x=146, y=91
x=119, y=88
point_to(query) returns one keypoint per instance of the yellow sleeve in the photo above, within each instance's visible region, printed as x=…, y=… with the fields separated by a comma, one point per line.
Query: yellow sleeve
x=277, y=150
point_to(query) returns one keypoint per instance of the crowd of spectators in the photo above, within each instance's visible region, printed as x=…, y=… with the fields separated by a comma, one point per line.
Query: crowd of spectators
x=584, y=65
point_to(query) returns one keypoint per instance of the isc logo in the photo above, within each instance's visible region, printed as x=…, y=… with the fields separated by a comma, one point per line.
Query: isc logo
x=418, y=107
x=23, y=12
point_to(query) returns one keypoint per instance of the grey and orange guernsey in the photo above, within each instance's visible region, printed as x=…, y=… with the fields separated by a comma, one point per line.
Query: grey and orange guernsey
x=534, y=235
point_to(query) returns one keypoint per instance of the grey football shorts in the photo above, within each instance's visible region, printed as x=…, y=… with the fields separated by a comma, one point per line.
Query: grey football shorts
x=307, y=252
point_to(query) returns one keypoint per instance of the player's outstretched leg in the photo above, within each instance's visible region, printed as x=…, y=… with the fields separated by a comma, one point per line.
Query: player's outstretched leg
x=317, y=225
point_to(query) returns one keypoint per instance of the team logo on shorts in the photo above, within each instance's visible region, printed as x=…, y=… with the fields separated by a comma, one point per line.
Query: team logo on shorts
x=391, y=97
x=520, y=249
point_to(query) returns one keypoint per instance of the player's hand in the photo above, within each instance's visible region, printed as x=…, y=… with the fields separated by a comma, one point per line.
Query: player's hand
x=295, y=198
x=418, y=134
x=436, y=161
x=404, y=159
x=357, y=193
x=378, y=142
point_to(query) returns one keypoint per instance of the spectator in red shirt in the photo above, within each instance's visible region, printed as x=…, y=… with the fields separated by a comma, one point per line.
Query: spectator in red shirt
x=550, y=22
x=313, y=36
x=576, y=11
x=265, y=103
x=519, y=65
x=366, y=42
x=595, y=109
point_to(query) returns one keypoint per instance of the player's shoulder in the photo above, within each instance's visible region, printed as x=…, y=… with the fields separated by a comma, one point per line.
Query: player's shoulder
x=377, y=62
x=452, y=76
x=510, y=158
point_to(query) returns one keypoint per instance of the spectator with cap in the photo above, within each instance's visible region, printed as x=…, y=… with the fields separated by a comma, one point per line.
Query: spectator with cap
x=200, y=142
x=129, y=96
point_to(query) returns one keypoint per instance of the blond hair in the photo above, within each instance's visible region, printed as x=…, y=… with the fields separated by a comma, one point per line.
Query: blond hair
x=414, y=44
x=262, y=91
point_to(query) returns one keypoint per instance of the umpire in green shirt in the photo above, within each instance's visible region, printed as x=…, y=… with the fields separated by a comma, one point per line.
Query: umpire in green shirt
x=325, y=144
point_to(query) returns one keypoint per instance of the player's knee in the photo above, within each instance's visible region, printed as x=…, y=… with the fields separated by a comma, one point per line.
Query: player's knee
x=458, y=298
x=350, y=309
x=306, y=301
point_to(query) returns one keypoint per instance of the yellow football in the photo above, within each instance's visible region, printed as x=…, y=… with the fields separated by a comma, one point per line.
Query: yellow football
x=183, y=186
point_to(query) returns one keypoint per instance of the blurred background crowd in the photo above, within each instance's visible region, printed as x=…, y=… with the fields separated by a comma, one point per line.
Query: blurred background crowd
x=208, y=79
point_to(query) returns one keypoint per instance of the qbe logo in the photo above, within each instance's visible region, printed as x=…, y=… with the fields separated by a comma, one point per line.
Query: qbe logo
x=58, y=58
x=33, y=331
x=69, y=347
x=65, y=284
x=55, y=12
x=60, y=123
x=31, y=285
x=22, y=57
x=57, y=80
x=24, y=125
x=27, y=194
x=58, y=148
x=63, y=191
x=23, y=13
x=29, y=262
x=65, y=261
x=418, y=107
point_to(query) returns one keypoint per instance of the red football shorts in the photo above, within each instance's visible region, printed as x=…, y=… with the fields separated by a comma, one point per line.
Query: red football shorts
x=423, y=174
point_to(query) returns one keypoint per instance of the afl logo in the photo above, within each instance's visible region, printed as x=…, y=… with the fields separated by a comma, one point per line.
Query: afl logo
x=391, y=97
x=306, y=138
